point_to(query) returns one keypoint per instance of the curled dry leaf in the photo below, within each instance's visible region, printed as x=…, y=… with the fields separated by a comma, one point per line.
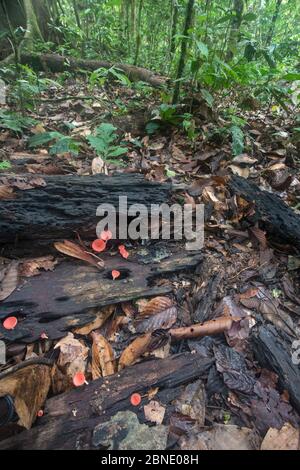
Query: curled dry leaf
x=162, y=320
x=156, y=305
x=103, y=360
x=141, y=345
x=72, y=357
x=31, y=267
x=76, y=251
x=9, y=282
x=6, y=192
x=100, y=319
x=29, y=388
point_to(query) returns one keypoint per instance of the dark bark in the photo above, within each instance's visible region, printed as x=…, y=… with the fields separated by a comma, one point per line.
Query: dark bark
x=271, y=212
x=61, y=428
x=275, y=353
x=69, y=203
x=72, y=295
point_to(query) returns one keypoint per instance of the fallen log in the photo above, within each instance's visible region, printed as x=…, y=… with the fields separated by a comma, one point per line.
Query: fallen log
x=72, y=295
x=57, y=63
x=271, y=212
x=57, y=206
x=275, y=353
x=70, y=419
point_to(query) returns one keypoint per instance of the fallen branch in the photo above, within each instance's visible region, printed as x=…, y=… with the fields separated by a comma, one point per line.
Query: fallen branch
x=57, y=63
x=211, y=327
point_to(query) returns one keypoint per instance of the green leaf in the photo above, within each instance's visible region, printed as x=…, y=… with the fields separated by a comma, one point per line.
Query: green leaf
x=152, y=127
x=43, y=138
x=5, y=165
x=65, y=145
x=207, y=97
x=249, y=17
x=98, y=144
x=117, y=151
x=237, y=140
x=291, y=77
x=202, y=48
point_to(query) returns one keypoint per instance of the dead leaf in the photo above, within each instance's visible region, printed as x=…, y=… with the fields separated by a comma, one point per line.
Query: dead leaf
x=29, y=388
x=162, y=320
x=192, y=402
x=286, y=438
x=73, y=356
x=154, y=412
x=141, y=345
x=103, y=360
x=244, y=158
x=9, y=281
x=237, y=170
x=6, y=192
x=31, y=267
x=156, y=305
x=100, y=319
x=220, y=437
x=99, y=166
x=76, y=251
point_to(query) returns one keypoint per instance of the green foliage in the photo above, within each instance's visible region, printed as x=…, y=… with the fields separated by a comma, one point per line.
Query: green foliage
x=15, y=121
x=237, y=136
x=104, y=142
x=5, y=165
x=60, y=143
x=100, y=76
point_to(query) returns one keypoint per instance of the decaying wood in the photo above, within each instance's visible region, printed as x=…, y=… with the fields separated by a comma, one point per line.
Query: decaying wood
x=62, y=205
x=72, y=295
x=211, y=327
x=70, y=418
x=29, y=388
x=58, y=63
x=275, y=353
x=271, y=212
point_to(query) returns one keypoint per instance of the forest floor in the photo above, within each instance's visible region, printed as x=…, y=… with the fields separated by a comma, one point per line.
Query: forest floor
x=241, y=399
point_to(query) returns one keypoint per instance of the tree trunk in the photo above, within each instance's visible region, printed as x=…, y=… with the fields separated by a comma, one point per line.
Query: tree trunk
x=71, y=203
x=138, y=33
x=238, y=8
x=174, y=21
x=273, y=23
x=184, y=43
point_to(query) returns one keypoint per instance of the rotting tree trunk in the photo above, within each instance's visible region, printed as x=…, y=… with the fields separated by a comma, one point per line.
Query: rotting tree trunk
x=64, y=204
x=56, y=63
x=62, y=428
x=73, y=294
x=274, y=353
x=271, y=212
